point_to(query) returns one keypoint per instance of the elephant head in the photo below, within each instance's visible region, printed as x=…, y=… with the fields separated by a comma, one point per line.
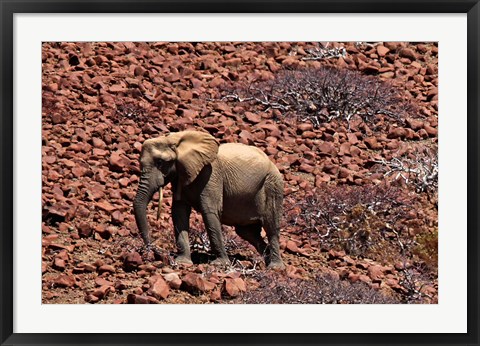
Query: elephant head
x=177, y=158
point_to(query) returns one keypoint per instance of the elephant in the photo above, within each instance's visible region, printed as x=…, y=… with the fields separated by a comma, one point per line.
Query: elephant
x=232, y=184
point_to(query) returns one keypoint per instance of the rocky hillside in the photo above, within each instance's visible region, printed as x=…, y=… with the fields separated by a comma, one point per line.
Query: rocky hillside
x=352, y=126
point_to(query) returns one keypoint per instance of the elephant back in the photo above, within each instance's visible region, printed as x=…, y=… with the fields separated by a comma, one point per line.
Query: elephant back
x=244, y=167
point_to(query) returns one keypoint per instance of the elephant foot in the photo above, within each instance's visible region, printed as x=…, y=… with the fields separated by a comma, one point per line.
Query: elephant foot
x=277, y=266
x=183, y=260
x=221, y=262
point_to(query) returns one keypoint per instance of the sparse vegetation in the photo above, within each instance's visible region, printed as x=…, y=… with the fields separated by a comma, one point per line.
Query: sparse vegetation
x=323, y=289
x=322, y=94
x=352, y=126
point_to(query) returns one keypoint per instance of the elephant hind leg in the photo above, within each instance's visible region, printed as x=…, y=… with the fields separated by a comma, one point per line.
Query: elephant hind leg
x=271, y=224
x=252, y=234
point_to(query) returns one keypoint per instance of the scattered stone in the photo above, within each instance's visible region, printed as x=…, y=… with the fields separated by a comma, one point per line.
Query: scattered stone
x=158, y=287
x=64, y=280
x=106, y=268
x=141, y=299
x=233, y=287
x=195, y=284
x=102, y=291
x=173, y=280
x=84, y=229
x=132, y=261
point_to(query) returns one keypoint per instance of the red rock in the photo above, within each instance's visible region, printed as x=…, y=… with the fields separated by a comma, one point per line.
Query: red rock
x=102, y=291
x=103, y=232
x=172, y=276
x=321, y=179
x=158, y=287
x=102, y=282
x=344, y=149
x=382, y=50
x=59, y=263
x=106, y=268
x=246, y=137
x=132, y=261
x=305, y=127
x=91, y=298
x=253, y=117
x=309, y=135
x=121, y=285
x=352, y=138
x=344, y=173
x=393, y=283
x=99, y=152
x=363, y=265
x=242, y=286
x=105, y=206
x=349, y=260
x=432, y=69
x=194, y=283
x=117, y=88
x=49, y=159
x=367, y=68
x=372, y=143
x=98, y=143
x=376, y=273
x=414, y=124
x=58, y=118
x=84, y=229
x=336, y=254
x=117, y=217
x=431, y=131
x=352, y=277
x=305, y=167
x=326, y=148
x=408, y=53
x=141, y=299
x=215, y=296
x=393, y=144
x=83, y=212
x=273, y=130
x=118, y=161
x=64, y=280
x=233, y=62
x=230, y=288
x=88, y=267
x=364, y=278
x=396, y=132
x=291, y=246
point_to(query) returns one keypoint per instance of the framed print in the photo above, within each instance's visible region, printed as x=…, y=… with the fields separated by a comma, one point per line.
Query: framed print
x=261, y=172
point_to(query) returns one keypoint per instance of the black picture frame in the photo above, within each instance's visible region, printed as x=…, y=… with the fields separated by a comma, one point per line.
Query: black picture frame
x=9, y=7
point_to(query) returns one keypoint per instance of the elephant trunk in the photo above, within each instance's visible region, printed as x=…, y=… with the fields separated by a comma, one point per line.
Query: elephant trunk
x=142, y=198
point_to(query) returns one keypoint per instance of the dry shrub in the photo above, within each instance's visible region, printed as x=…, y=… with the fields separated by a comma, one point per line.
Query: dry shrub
x=418, y=167
x=374, y=221
x=322, y=94
x=324, y=289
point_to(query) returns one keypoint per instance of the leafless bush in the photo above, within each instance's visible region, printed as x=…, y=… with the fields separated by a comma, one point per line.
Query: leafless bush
x=130, y=110
x=419, y=168
x=322, y=94
x=324, y=52
x=324, y=289
x=358, y=219
x=412, y=282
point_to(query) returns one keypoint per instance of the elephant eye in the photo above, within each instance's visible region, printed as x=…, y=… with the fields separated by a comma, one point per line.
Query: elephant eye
x=161, y=164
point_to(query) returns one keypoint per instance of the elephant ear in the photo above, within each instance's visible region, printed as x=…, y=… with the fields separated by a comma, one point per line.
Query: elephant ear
x=195, y=150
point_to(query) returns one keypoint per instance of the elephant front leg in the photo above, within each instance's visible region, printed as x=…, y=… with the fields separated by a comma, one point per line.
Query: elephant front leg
x=181, y=223
x=214, y=231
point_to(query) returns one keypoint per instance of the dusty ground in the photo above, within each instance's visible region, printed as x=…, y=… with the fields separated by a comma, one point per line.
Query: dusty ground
x=355, y=229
